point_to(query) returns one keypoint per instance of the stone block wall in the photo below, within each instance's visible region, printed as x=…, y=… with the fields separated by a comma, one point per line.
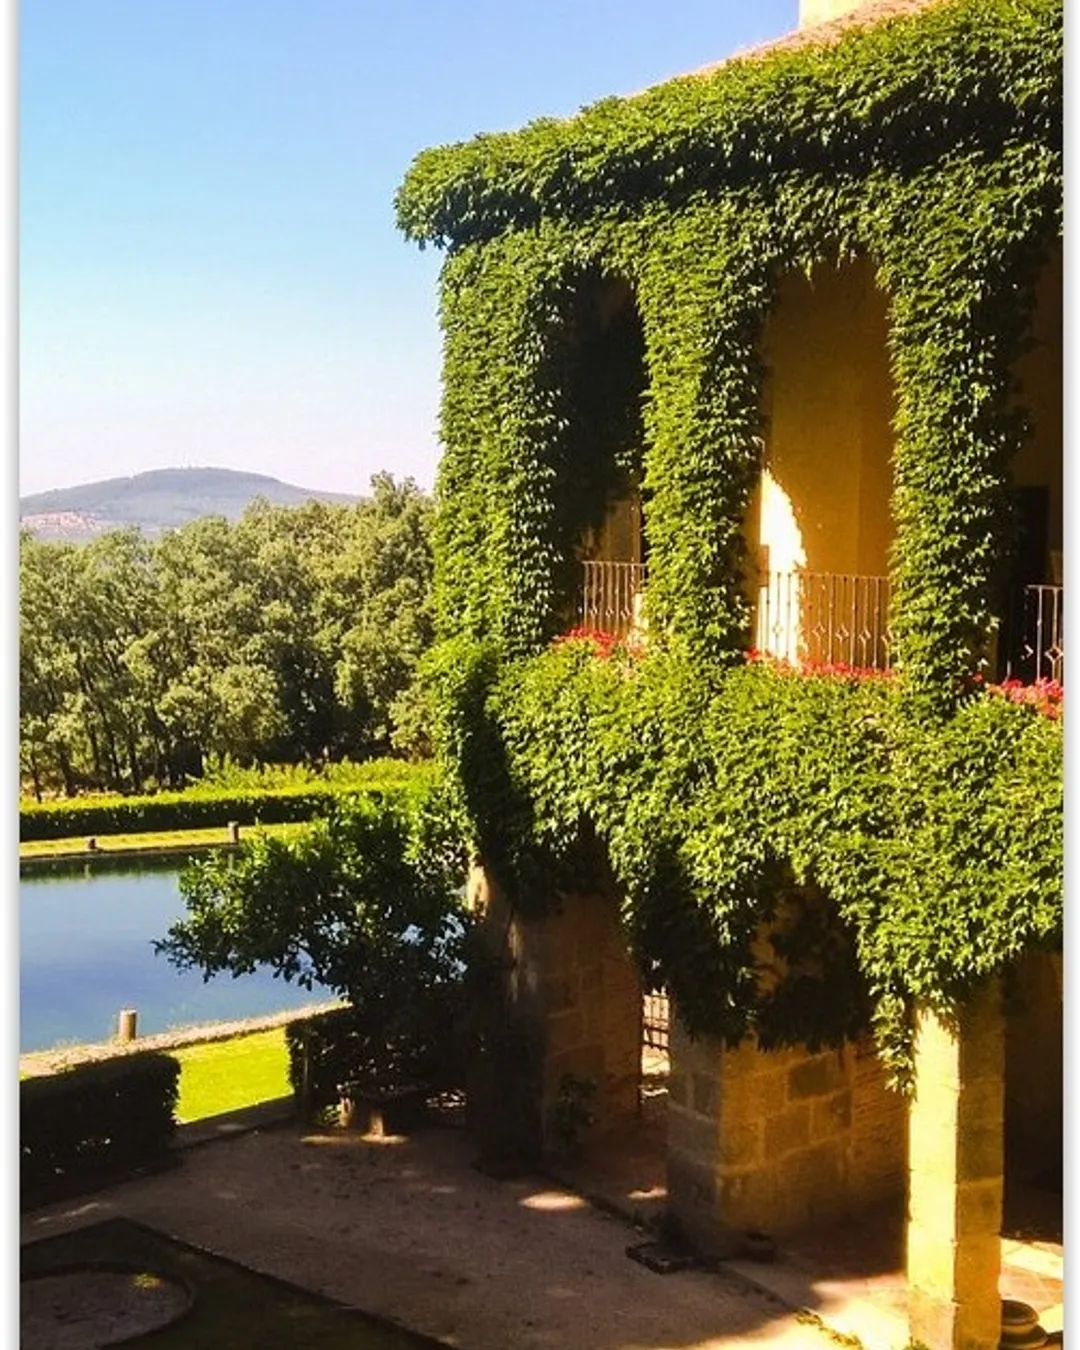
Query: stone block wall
x=592, y=1001
x=879, y=1133
x=559, y=998
x=776, y=1140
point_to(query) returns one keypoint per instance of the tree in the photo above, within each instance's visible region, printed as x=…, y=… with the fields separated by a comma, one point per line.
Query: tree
x=292, y=634
x=380, y=597
x=367, y=902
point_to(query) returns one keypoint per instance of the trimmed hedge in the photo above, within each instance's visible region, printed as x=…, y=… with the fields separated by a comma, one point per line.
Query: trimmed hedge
x=95, y=1119
x=339, y=1046
x=198, y=808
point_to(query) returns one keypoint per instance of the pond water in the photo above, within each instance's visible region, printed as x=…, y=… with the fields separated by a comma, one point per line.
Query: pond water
x=86, y=931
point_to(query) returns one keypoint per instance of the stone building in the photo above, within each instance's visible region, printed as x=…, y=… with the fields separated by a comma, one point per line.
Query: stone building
x=770, y=358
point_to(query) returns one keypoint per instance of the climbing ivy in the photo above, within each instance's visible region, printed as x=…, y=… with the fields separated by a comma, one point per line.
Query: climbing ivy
x=919, y=817
x=924, y=857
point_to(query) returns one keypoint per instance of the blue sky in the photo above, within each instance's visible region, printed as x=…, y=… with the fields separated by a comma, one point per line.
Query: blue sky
x=209, y=270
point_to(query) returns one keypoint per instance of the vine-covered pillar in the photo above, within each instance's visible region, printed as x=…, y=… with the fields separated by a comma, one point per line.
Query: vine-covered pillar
x=962, y=291
x=704, y=293
x=955, y=1176
x=503, y=425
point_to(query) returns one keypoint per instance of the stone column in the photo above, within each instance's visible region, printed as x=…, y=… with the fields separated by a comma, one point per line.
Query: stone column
x=592, y=1009
x=504, y=1059
x=556, y=1008
x=955, y=1183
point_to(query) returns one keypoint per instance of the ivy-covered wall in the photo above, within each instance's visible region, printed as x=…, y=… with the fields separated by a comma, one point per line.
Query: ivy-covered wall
x=926, y=812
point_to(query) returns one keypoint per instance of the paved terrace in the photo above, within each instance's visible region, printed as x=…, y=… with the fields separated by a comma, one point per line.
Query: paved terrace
x=408, y=1229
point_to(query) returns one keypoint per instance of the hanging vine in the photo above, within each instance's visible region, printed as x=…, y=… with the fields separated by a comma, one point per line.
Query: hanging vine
x=924, y=812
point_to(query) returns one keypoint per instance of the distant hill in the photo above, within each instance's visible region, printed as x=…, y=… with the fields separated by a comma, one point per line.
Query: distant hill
x=160, y=499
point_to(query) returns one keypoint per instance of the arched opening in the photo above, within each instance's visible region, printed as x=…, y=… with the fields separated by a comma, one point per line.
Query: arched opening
x=819, y=527
x=1031, y=642
x=605, y=381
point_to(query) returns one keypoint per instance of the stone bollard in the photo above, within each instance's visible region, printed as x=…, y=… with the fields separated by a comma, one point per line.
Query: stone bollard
x=346, y=1112
x=127, y=1025
x=234, y=831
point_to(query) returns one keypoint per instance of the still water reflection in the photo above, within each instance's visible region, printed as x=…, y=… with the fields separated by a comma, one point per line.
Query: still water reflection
x=86, y=933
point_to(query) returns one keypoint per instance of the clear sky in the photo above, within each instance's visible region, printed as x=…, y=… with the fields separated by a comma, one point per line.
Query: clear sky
x=209, y=270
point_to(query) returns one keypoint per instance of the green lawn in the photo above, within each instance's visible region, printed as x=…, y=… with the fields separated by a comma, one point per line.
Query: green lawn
x=227, y=1075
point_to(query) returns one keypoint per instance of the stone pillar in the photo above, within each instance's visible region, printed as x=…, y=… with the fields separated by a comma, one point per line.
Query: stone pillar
x=955, y=1184
x=557, y=1009
x=592, y=1010
x=504, y=1064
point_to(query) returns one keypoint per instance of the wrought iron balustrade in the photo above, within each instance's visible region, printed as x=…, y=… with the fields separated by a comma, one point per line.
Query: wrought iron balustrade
x=611, y=596
x=839, y=618
x=1032, y=642
x=825, y=618
x=656, y=1020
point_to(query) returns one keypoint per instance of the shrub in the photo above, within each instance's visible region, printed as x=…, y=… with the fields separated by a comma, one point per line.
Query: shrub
x=424, y=1049
x=94, y=1119
x=367, y=902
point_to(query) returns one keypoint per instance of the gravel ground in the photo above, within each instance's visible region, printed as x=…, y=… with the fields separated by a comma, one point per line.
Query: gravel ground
x=408, y=1229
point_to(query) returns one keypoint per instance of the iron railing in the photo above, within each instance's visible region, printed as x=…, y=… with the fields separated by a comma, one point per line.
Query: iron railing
x=1032, y=640
x=611, y=596
x=656, y=1020
x=825, y=618
x=839, y=618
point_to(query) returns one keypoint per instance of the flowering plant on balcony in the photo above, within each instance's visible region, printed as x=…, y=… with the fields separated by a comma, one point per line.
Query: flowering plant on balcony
x=1045, y=696
x=837, y=670
x=605, y=644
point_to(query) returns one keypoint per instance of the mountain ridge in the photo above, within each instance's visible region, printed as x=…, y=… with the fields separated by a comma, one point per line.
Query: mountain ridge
x=157, y=500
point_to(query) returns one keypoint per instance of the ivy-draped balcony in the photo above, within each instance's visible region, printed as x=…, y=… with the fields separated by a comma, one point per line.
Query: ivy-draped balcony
x=824, y=619
x=838, y=619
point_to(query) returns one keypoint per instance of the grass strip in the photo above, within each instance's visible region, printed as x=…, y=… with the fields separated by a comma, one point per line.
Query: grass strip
x=151, y=841
x=228, y=1075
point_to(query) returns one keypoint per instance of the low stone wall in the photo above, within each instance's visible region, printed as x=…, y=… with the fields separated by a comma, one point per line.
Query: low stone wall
x=777, y=1140
x=39, y=1062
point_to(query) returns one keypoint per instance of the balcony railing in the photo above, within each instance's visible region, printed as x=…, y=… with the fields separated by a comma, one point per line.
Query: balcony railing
x=1033, y=635
x=825, y=618
x=833, y=618
x=611, y=596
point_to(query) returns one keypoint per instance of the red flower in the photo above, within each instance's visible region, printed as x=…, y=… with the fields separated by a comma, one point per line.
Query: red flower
x=605, y=644
x=1045, y=696
x=839, y=670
